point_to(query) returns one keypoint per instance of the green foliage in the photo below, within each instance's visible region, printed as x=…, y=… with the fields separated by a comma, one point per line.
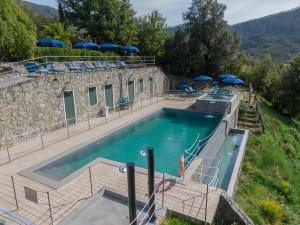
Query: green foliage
x=211, y=42
x=271, y=210
x=273, y=174
x=288, y=100
x=277, y=35
x=59, y=31
x=39, y=14
x=104, y=20
x=41, y=51
x=177, y=53
x=17, y=32
x=152, y=34
x=175, y=221
x=265, y=77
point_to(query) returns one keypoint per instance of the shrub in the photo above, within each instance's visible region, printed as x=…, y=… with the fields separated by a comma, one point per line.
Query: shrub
x=248, y=167
x=42, y=51
x=272, y=210
x=17, y=32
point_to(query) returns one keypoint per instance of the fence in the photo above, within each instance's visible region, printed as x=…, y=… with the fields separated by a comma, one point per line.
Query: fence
x=44, y=64
x=257, y=107
x=46, y=207
x=38, y=139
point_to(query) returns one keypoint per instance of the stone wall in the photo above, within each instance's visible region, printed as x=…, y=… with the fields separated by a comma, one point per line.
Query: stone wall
x=39, y=102
x=228, y=212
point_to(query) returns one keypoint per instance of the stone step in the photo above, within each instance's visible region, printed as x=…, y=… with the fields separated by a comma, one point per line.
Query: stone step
x=248, y=114
x=248, y=125
x=248, y=119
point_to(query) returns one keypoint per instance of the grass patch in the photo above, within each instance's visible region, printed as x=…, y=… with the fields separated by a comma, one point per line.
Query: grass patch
x=175, y=221
x=269, y=186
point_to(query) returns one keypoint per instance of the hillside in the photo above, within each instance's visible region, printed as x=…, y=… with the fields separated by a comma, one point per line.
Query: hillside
x=268, y=189
x=40, y=14
x=43, y=10
x=277, y=34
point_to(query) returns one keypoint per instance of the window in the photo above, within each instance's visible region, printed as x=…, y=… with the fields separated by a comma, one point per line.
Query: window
x=141, y=85
x=92, y=96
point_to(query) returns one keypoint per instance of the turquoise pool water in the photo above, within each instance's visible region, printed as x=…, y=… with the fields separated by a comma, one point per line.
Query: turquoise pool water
x=169, y=131
x=218, y=97
x=227, y=155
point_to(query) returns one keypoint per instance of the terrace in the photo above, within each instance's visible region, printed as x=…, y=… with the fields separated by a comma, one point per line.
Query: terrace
x=26, y=199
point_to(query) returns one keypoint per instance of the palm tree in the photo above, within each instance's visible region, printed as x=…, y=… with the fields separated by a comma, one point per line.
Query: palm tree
x=59, y=31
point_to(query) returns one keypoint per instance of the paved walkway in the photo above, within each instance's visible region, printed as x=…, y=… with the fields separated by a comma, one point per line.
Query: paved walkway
x=184, y=196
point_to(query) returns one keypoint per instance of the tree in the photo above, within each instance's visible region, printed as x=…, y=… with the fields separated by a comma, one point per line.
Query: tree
x=211, y=42
x=266, y=78
x=61, y=12
x=59, y=31
x=241, y=65
x=105, y=20
x=288, y=100
x=17, y=32
x=152, y=34
x=177, y=54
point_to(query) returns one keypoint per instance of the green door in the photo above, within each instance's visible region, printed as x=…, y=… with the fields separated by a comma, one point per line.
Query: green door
x=109, y=99
x=151, y=86
x=69, y=107
x=131, y=91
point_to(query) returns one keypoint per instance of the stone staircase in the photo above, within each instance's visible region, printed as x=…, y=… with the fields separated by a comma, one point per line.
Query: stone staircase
x=248, y=119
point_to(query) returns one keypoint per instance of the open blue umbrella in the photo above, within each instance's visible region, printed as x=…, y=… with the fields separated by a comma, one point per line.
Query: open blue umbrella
x=203, y=78
x=233, y=81
x=131, y=49
x=86, y=45
x=109, y=47
x=49, y=42
x=226, y=76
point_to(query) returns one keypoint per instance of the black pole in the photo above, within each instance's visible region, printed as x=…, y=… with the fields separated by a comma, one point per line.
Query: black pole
x=151, y=183
x=131, y=193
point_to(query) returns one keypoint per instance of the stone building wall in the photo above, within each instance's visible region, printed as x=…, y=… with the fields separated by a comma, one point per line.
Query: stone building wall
x=39, y=102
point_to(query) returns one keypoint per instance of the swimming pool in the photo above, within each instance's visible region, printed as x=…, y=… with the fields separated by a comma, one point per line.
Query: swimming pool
x=217, y=97
x=169, y=131
x=227, y=156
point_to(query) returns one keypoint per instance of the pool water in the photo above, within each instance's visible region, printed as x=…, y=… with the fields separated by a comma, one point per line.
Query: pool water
x=227, y=155
x=169, y=131
x=217, y=97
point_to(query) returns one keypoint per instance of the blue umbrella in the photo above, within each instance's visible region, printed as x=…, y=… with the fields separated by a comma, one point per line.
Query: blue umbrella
x=49, y=42
x=86, y=45
x=226, y=76
x=131, y=49
x=233, y=81
x=203, y=78
x=109, y=46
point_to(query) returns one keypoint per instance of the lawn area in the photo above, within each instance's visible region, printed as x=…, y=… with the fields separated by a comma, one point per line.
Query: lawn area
x=269, y=186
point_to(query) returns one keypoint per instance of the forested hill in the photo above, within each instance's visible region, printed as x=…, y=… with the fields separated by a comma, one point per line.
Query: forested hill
x=39, y=10
x=277, y=34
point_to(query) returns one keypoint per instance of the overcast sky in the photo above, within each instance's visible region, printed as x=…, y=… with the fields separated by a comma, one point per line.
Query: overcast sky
x=237, y=10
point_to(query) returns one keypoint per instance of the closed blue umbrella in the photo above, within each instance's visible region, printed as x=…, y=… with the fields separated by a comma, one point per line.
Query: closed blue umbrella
x=131, y=49
x=233, y=81
x=226, y=76
x=86, y=45
x=49, y=42
x=203, y=78
x=109, y=47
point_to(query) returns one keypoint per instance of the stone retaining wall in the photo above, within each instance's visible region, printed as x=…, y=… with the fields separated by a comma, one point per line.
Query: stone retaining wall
x=39, y=102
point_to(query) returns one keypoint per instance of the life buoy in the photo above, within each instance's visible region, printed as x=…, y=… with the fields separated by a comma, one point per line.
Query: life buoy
x=181, y=165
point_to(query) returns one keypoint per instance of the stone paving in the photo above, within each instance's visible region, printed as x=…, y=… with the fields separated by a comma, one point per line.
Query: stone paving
x=182, y=196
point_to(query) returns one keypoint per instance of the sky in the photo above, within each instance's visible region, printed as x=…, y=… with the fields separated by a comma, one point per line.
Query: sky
x=237, y=10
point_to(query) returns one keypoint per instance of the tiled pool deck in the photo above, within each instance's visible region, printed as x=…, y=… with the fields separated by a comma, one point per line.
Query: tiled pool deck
x=183, y=196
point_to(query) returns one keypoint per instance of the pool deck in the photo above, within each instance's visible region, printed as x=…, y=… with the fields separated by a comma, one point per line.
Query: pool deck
x=184, y=197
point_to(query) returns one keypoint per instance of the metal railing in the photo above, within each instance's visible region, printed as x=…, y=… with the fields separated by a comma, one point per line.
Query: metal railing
x=257, y=107
x=26, y=143
x=22, y=68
